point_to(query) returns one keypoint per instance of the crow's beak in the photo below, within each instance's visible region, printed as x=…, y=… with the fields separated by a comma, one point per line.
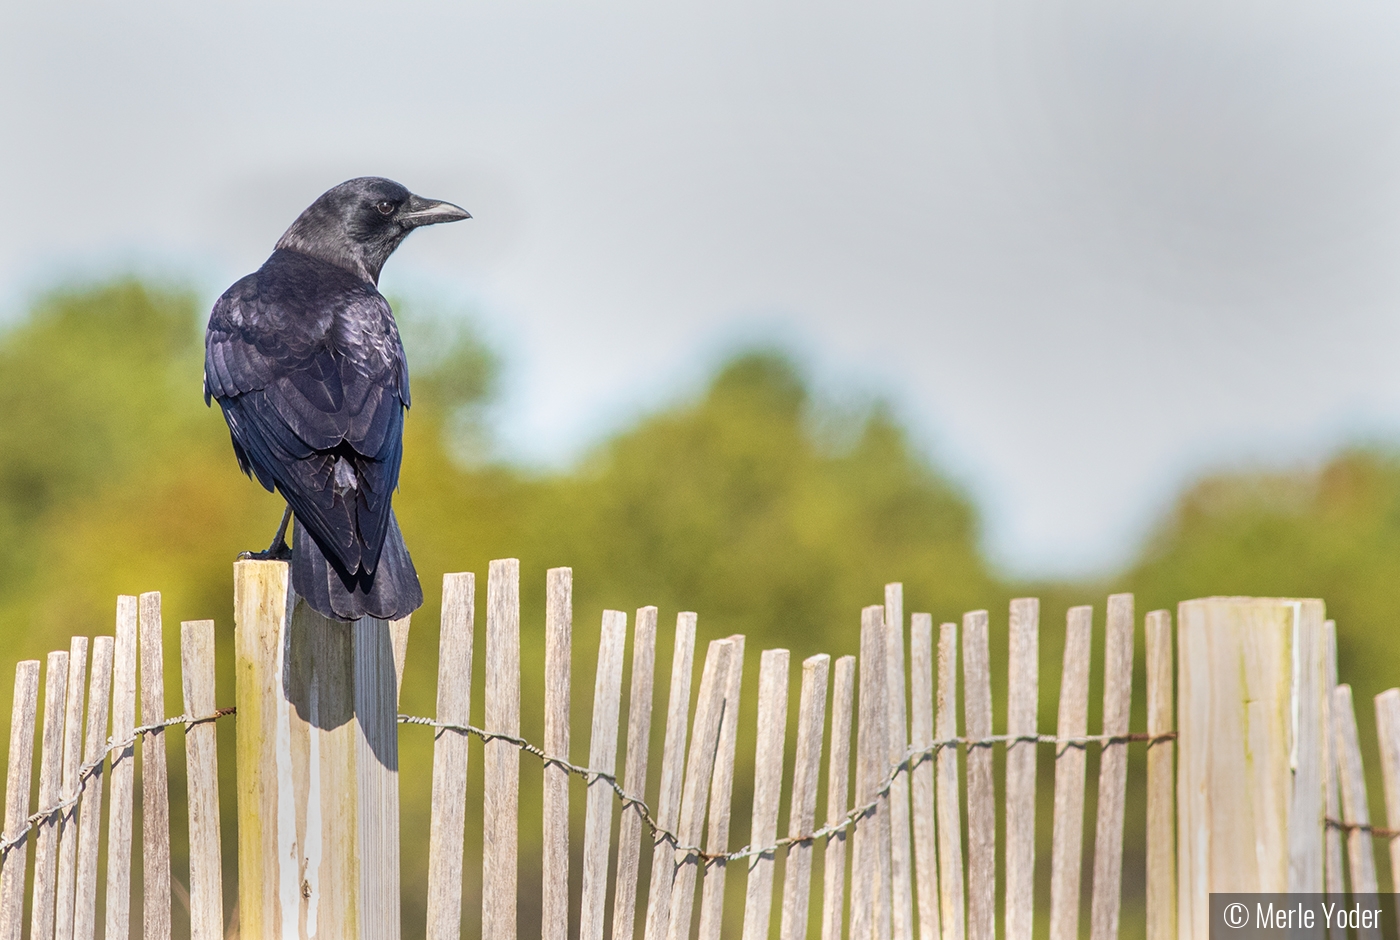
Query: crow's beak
x=419, y=211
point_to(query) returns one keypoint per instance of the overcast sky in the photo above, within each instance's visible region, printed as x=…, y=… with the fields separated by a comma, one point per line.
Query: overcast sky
x=1088, y=249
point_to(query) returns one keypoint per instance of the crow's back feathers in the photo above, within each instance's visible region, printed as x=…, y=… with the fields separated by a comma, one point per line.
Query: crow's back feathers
x=305, y=360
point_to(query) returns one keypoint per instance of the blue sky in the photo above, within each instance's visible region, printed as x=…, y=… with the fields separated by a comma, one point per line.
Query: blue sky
x=1088, y=249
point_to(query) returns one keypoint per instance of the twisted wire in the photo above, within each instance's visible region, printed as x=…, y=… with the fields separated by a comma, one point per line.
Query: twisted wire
x=94, y=766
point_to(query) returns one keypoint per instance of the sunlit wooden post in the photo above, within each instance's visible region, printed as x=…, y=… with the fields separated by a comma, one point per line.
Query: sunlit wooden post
x=1250, y=723
x=317, y=737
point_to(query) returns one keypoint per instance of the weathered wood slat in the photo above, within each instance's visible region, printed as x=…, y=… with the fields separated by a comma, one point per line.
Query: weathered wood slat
x=41, y=913
x=634, y=779
x=1161, y=805
x=868, y=897
x=981, y=788
x=18, y=779
x=1068, y=833
x=721, y=797
x=202, y=781
x=767, y=789
x=90, y=806
x=1388, y=732
x=1334, y=876
x=921, y=775
x=558, y=649
x=901, y=910
x=1306, y=641
x=1113, y=769
x=837, y=800
x=1022, y=704
x=376, y=791
x=155, y=786
x=950, y=866
x=1192, y=763
x=72, y=761
x=501, y=760
x=668, y=803
x=700, y=767
x=1361, y=859
x=445, y=843
x=602, y=757
x=802, y=812
x=123, y=771
x=634, y=782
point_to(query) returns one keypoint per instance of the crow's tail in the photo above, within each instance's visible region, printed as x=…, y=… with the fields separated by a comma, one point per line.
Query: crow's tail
x=391, y=592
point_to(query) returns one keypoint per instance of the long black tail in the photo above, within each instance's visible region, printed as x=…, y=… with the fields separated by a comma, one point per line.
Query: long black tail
x=391, y=592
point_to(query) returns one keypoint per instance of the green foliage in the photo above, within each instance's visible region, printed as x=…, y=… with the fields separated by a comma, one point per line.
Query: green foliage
x=732, y=507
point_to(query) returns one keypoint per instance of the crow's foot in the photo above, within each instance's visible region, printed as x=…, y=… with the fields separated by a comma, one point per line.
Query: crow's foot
x=281, y=552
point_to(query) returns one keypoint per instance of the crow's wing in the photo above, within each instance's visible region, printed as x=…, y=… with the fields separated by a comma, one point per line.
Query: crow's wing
x=306, y=363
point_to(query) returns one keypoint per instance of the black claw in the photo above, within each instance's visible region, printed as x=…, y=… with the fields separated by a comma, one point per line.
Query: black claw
x=275, y=553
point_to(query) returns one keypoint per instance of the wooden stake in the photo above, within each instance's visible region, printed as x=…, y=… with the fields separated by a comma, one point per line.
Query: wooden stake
x=1161, y=806
x=317, y=748
x=454, y=696
x=950, y=887
x=869, y=879
x=558, y=651
x=837, y=801
x=1388, y=731
x=499, y=877
x=767, y=789
x=155, y=787
x=41, y=919
x=811, y=719
x=1333, y=870
x=1068, y=835
x=1113, y=769
x=72, y=760
x=629, y=839
x=921, y=776
x=1361, y=858
x=981, y=788
x=709, y=710
x=202, y=772
x=901, y=910
x=721, y=795
x=1022, y=703
x=119, y=821
x=1249, y=779
x=90, y=806
x=17, y=782
x=668, y=803
x=602, y=757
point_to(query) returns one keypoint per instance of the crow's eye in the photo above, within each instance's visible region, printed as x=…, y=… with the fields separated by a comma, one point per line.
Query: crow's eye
x=385, y=207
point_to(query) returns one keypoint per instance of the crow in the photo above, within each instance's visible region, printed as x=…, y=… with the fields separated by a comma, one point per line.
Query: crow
x=305, y=361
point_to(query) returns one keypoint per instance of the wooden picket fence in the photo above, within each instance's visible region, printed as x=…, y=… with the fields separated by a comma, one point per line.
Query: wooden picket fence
x=917, y=818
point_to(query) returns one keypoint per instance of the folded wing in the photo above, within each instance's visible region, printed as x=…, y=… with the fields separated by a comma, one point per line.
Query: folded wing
x=310, y=373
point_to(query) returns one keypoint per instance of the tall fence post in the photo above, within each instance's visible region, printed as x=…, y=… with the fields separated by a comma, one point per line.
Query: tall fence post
x=317, y=747
x=1250, y=724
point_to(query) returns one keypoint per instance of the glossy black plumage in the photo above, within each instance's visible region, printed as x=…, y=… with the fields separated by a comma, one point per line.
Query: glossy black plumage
x=304, y=359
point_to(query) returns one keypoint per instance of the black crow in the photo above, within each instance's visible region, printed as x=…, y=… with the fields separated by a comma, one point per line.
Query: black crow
x=304, y=358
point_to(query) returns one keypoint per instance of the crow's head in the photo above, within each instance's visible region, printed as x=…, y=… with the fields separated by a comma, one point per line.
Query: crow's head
x=358, y=224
